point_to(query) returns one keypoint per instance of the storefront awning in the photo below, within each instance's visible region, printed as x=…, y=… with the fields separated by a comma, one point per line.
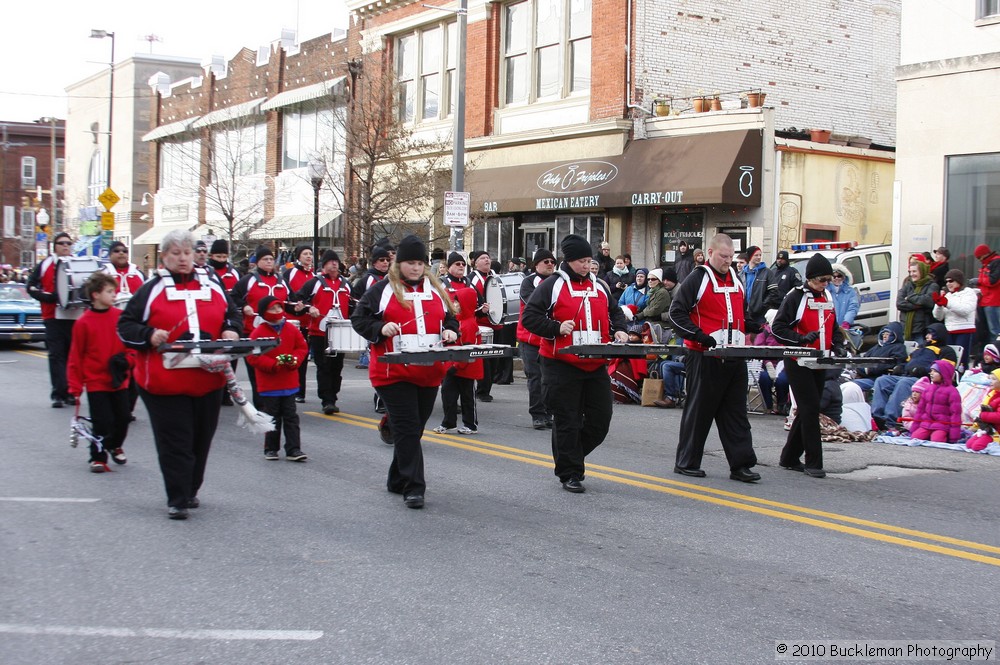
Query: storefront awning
x=155, y=235
x=229, y=113
x=717, y=168
x=303, y=94
x=170, y=129
x=293, y=226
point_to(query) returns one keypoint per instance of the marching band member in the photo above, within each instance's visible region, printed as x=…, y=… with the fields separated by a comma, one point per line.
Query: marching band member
x=179, y=302
x=327, y=295
x=460, y=379
x=247, y=294
x=410, y=307
x=380, y=262
x=574, y=307
x=296, y=276
x=543, y=264
x=455, y=279
x=218, y=258
x=58, y=321
x=127, y=275
x=807, y=317
x=478, y=278
x=708, y=308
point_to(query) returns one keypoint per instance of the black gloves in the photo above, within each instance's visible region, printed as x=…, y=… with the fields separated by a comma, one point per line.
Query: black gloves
x=840, y=350
x=705, y=340
x=118, y=368
x=810, y=337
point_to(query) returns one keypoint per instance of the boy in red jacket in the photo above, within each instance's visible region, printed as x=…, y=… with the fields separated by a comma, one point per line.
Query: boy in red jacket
x=459, y=381
x=278, y=378
x=99, y=364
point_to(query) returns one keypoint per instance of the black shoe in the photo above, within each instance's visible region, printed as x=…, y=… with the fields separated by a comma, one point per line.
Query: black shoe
x=694, y=473
x=57, y=404
x=379, y=409
x=540, y=423
x=175, y=513
x=485, y=398
x=796, y=466
x=329, y=408
x=299, y=399
x=271, y=455
x=193, y=502
x=814, y=473
x=70, y=401
x=744, y=474
x=548, y=423
x=413, y=500
x=574, y=485
x=296, y=456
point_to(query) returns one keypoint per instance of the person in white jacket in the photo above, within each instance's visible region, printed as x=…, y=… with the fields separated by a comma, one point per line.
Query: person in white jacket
x=956, y=306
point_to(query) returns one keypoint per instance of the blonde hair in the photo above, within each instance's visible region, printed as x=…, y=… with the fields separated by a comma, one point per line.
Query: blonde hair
x=396, y=283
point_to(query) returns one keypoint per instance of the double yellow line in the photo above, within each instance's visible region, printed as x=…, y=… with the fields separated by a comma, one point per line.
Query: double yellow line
x=862, y=528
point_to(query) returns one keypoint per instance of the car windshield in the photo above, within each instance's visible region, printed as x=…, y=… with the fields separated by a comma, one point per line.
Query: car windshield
x=14, y=292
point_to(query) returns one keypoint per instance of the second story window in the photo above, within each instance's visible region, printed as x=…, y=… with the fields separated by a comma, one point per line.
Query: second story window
x=307, y=132
x=989, y=9
x=239, y=150
x=546, y=50
x=28, y=171
x=60, y=173
x=179, y=163
x=425, y=73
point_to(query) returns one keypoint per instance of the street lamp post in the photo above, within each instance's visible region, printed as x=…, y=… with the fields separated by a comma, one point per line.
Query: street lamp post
x=316, y=171
x=101, y=34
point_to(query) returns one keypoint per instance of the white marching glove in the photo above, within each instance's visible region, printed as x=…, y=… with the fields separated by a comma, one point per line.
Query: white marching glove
x=629, y=316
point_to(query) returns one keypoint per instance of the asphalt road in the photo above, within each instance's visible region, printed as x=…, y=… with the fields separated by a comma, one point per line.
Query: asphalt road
x=317, y=563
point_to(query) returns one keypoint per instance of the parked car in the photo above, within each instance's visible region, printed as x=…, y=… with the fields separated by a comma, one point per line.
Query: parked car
x=20, y=315
x=872, y=269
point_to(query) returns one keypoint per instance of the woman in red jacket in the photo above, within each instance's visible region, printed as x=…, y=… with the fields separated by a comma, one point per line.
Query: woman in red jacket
x=408, y=310
x=460, y=379
x=99, y=364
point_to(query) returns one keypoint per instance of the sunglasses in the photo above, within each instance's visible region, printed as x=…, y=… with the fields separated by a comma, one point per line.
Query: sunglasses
x=823, y=280
x=458, y=263
x=950, y=281
x=202, y=251
x=652, y=279
x=64, y=242
x=548, y=262
x=838, y=277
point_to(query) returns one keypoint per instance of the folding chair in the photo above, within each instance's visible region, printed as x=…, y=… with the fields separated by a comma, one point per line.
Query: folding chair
x=755, y=398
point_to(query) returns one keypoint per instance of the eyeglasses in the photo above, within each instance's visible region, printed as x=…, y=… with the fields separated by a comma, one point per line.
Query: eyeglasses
x=458, y=263
x=548, y=262
x=64, y=242
x=823, y=280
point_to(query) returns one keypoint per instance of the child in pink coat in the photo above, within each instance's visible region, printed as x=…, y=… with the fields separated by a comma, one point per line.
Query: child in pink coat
x=939, y=412
x=910, y=403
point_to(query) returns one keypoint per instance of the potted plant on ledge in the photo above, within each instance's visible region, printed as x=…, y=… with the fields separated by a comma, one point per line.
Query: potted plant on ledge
x=661, y=105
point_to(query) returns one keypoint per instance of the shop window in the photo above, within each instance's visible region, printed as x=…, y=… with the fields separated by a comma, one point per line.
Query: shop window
x=180, y=163
x=675, y=227
x=496, y=236
x=590, y=227
x=972, y=207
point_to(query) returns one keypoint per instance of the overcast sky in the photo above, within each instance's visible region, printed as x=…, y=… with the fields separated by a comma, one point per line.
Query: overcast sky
x=48, y=45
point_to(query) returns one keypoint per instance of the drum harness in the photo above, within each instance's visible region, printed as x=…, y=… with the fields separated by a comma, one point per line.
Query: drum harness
x=729, y=336
x=585, y=296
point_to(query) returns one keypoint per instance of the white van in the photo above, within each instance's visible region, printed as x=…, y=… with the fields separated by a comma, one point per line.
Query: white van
x=872, y=269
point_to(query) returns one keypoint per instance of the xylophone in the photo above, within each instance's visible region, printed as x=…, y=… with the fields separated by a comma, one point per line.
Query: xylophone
x=615, y=350
x=460, y=353
x=184, y=353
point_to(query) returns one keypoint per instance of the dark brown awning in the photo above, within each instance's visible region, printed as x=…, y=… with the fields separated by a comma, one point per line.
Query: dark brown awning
x=717, y=168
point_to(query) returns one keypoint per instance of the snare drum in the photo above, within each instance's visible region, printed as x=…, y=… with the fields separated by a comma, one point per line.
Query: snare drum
x=486, y=334
x=502, y=295
x=340, y=337
x=71, y=274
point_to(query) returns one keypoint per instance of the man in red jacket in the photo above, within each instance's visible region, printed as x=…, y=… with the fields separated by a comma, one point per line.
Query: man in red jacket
x=58, y=321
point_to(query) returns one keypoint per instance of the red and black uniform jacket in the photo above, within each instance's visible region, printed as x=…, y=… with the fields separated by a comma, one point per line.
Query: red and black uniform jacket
x=42, y=286
x=150, y=308
x=129, y=279
x=553, y=302
x=367, y=281
x=467, y=300
x=272, y=376
x=478, y=281
x=379, y=306
x=229, y=276
x=95, y=340
x=698, y=308
x=795, y=319
x=528, y=286
x=324, y=294
x=295, y=278
x=252, y=288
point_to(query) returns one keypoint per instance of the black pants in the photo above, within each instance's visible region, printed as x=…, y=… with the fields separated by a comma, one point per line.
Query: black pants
x=409, y=407
x=716, y=391
x=454, y=388
x=503, y=368
x=286, y=418
x=485, y=384
x=328, y=370
x=183, y=427
x=533, y=371
x=580, y=404
x=807, y=386
x=303, y=366
x=109, y=413
x=58, y=336
x=252, y=377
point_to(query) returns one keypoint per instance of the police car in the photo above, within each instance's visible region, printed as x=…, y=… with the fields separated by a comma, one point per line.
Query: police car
x=871, y=268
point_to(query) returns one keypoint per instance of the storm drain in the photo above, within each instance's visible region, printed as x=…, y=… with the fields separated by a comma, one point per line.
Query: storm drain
x=883, y=472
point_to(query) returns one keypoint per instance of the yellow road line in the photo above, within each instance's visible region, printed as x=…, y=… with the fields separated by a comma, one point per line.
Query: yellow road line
x=714, y=496
x=37, y=354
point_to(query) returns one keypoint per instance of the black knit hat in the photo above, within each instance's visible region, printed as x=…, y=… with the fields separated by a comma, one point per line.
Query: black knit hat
x=455, y=257
x=783, y=254
x=541, y=255
x=263, y=251
x=264, y=303
x=329, y=255
x=476, y=253
x=298, y=251
x=751, y=250
x=669, y=275
x=219, y=246
x=411, y=248
x=115, y=245
x=818, y=266
x=379, y=252
x=574, y=248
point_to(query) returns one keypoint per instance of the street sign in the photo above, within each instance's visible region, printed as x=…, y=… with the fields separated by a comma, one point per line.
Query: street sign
x=107, y=221
x=456, y=208
x=108, y=198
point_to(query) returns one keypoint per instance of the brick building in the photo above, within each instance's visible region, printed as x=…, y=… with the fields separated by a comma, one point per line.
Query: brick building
x=560, y=134
x=32, y=176
x=229, y=149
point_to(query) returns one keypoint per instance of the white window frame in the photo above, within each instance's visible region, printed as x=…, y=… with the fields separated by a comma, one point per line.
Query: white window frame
x=988, y=9
x=29, y=171
x=312, y=122
x=60, y=182
x=417, y=75
x=246, y=145
x=533, y=50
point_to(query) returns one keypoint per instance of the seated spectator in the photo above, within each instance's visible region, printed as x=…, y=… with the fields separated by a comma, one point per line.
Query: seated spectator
x=635, y=295
x=659, y=296
x=831, y=402
x=891, y=347
x=988, y=421
x=619, y=278
x=956, y=306
x=672, y=374
x=939, y=412
x=890, y=390
x=776, y=404
x=909, y=411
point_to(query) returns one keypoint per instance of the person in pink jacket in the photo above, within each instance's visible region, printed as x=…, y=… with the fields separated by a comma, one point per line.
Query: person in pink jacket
x=939, y=412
